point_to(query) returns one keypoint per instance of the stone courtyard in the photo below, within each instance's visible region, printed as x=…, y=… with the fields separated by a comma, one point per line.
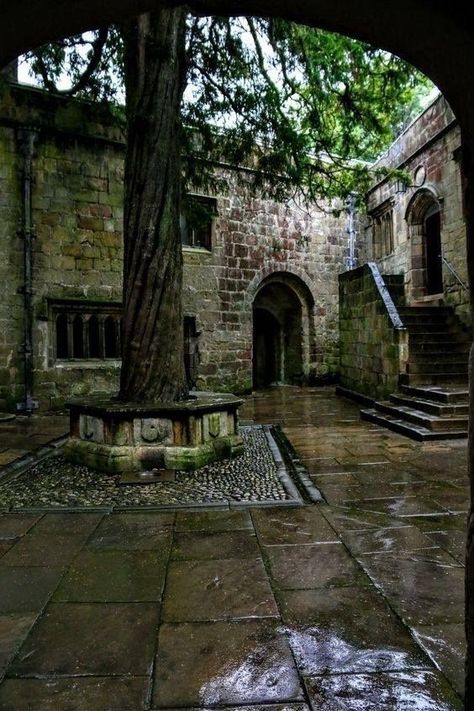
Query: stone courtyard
x=352, y=603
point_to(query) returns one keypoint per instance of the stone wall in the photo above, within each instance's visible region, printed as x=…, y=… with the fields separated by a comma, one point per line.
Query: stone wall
x=77, y=256
x=373, y=350
x=256, y=242
x=429, y=152
x=77, y=248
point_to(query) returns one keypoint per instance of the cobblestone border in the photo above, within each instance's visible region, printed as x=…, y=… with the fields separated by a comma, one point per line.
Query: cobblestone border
x=22, y=464
x=309, y=491
x=290, y=472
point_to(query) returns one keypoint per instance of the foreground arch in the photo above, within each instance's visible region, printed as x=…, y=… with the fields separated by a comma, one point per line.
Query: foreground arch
x=445, y=53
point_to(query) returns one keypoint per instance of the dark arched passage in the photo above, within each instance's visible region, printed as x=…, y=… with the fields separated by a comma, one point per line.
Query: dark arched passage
x=282, y=331
x=424, y=224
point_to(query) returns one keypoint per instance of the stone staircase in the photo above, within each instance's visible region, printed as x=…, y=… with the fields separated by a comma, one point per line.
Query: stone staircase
x=433, y=400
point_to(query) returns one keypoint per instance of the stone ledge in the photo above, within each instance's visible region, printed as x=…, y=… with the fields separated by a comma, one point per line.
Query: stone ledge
x=115, y=459
x=112, y=436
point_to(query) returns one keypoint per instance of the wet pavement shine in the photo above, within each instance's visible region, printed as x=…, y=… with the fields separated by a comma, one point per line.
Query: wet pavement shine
x=352, y=604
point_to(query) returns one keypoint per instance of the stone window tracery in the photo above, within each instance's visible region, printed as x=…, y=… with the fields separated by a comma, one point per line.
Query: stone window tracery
x=86, y=330
x=383, y=242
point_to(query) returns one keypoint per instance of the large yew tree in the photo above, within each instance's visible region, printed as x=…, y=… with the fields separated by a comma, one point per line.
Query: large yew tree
x=302, y=107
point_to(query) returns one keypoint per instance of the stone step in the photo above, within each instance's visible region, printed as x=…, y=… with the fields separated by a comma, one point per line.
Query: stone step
x=440, y=336
x=418, y=417
x=454, y=378
x=421, y=309
x=432, y=408
x=439, y=349
x=438, y=394
x=448, y=364
x=424, y=327
x=421, y=434
x=430, y=315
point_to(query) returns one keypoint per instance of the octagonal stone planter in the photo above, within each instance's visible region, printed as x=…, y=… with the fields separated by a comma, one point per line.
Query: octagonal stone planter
x=115, y=437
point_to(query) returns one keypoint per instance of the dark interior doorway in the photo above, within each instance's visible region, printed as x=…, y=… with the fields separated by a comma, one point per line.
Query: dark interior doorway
x=277, y=336
x=433, y=256
x=266, y=348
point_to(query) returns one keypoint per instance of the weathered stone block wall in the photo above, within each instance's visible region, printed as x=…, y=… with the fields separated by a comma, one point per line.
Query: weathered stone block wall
x=429, y=152
x=78, y=213
x=255, y=240
x=77, y=250
x=11, y=261
x=373, y=352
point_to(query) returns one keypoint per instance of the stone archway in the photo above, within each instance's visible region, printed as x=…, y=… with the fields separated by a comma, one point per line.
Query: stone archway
x=446, y=55
x=282, y=330
x=424, y=218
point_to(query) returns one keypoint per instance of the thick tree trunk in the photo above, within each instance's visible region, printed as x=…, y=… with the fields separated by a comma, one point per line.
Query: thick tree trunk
x=153, y=365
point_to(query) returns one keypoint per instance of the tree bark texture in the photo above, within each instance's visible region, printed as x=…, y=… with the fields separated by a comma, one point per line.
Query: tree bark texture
x=152, y=358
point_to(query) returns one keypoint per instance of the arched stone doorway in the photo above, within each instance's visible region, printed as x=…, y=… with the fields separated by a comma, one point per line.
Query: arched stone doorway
x=424, y=224
x=281, y=331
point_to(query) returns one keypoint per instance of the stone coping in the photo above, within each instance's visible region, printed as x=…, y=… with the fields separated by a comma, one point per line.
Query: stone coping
x=198, y=402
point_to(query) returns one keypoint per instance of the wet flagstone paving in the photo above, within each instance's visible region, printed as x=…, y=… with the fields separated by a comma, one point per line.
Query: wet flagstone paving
x=350, y=605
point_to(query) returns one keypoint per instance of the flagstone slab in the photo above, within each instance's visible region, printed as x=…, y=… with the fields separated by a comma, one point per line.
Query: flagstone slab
x=217, y=590
x=90, y=639
x=224, y=663
x=81, y=694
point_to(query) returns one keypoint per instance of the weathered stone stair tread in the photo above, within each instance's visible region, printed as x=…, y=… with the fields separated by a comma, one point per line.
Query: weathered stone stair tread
x=427, y=365
x=431, y=392
x=421, y=434
x=437, y=339
x=419, y=417
x=429, y=406
x=433, y=402
x=454, y=378
x=452, y=350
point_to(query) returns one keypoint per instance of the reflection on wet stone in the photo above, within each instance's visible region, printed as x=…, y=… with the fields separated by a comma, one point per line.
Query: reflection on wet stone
x=403, y=691
x=224, y=663
x=369, y=591
x=319, y=651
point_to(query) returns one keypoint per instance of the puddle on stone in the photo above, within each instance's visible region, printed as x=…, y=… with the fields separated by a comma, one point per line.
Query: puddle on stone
x=322, y=651
x=405, y=691
x=266, y=674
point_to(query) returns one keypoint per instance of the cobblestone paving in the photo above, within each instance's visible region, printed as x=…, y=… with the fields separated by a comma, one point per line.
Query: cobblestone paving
x=351, y=604
x=56, y=483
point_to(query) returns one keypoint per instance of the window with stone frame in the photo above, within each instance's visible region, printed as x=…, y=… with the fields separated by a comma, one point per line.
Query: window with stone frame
x=196, y=221
x=382, y=232
x=86, y=330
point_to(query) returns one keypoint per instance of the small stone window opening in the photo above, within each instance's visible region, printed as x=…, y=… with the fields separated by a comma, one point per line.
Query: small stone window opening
x=86, y=331
x=196, y=221
x=94, y=337
x=111, y=329
x=191, y=350
x=61, y=336
x=77, y=338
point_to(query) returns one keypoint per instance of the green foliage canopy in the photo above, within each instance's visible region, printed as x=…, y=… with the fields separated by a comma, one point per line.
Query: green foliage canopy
x=304, y=109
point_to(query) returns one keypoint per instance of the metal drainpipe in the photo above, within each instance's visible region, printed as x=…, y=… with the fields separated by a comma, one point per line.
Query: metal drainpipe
x=27, y=138
x=351, y=259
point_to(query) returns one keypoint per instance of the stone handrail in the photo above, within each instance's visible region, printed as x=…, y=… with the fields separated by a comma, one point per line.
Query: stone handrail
x=454, y=273
x=386, y=297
